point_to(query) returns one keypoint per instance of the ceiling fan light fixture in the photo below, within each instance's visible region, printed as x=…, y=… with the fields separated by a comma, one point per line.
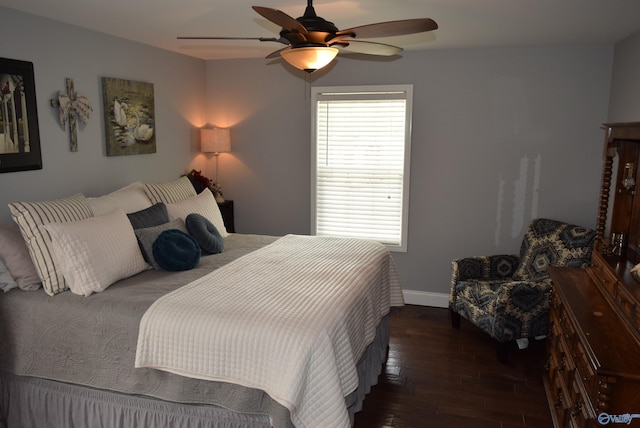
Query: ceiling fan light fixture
x=311, y=58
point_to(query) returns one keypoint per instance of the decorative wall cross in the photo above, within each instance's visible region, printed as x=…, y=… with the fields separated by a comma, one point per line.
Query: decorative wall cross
x=70, y=105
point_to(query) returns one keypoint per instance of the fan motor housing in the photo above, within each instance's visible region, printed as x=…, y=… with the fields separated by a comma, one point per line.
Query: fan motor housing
x=320, y=31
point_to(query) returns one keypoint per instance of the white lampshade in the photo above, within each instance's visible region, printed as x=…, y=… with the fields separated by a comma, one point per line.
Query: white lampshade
x=309, y=59
x=215, y=140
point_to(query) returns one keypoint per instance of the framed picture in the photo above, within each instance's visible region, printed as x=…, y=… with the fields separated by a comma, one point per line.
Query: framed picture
x=129, y=117
x=19, y=130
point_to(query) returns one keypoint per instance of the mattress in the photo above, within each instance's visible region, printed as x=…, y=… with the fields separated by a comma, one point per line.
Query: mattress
x=90, y=342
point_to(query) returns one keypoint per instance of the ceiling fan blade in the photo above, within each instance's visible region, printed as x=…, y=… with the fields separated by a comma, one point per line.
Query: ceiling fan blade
x=369, y=48
x=262, y=39
x=276, y=54
x=281, y=18
x=390, y=28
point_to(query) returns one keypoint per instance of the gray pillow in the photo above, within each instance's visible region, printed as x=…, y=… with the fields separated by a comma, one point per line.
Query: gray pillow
x=148, y=235
x=6, y=280
x=155, y=215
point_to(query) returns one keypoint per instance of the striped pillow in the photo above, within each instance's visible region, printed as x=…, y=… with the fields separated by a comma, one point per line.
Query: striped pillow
x=31, y=218
x=170, y=192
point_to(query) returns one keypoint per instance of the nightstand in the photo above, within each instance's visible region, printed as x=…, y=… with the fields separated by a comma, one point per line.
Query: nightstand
x=226, y=209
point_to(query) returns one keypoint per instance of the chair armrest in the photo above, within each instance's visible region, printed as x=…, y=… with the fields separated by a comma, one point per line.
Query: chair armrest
x=499, y=267
x=527, y=302
x=484, y=268
x=524, y=289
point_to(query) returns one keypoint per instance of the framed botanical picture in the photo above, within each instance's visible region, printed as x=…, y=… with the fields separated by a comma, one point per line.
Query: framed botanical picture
x=129, y=117
x=19, y=130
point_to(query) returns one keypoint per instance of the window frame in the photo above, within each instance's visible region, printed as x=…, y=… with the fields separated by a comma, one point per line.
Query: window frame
x=369, y=92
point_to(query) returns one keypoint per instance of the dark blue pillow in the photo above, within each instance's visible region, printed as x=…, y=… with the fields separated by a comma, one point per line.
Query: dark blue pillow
x=176, y=251
x=205, y=233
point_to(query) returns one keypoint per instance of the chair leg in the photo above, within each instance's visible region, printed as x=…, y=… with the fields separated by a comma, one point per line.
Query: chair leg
x=503, y=352
x=455, y=319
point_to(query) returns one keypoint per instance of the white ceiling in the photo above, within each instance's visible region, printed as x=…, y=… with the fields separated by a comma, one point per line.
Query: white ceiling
x=463, y=23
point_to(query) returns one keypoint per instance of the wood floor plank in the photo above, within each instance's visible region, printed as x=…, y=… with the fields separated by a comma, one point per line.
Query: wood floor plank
x=438, y=376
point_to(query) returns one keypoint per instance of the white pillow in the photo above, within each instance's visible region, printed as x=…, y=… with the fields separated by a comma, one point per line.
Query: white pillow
x=31, y=216
x=130, y=198
x=96, y=252
x=204, y=204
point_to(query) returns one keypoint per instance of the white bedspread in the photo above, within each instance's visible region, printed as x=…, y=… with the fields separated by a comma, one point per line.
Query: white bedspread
x=292, y=319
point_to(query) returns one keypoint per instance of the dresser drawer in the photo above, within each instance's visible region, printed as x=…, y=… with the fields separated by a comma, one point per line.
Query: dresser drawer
x=605, y=390
x=581, y=412
x=602, y=274
x=585, y=371
x=565, y=327
x=566, y=364
x=635, y=319
x=561, y=377
x=626, y=303
x=554, y=331
x=560, y=399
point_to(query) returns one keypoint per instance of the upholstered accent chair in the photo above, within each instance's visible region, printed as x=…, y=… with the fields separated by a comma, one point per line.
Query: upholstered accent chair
x=507, y=296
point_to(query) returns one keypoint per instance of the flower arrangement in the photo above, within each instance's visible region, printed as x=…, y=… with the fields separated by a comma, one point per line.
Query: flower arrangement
x=200, y=182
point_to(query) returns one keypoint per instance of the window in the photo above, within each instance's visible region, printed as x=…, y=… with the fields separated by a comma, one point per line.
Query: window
x=360, y=162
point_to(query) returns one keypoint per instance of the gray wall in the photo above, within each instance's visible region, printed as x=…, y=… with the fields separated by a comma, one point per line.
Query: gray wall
x=625, y=86
x=59, y=51
x=500, y=136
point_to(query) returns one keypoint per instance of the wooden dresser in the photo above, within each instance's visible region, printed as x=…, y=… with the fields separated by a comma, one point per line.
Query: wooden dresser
x=592, y=374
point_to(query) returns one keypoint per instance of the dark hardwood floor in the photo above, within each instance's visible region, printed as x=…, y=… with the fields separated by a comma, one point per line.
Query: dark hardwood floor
x=437, y=376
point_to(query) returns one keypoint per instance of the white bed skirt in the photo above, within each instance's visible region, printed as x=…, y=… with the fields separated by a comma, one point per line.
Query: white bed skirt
x=31, y=402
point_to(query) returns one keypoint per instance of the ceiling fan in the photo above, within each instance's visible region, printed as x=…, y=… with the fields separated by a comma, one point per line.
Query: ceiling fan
x=312, y=42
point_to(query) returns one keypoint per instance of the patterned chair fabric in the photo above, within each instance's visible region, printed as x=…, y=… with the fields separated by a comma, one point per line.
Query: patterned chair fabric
x=507, y=296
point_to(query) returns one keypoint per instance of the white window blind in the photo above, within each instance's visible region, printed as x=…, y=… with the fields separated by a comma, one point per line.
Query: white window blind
x=361, y=153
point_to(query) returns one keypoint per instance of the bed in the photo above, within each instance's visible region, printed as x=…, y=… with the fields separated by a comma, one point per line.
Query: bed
x=239, y=340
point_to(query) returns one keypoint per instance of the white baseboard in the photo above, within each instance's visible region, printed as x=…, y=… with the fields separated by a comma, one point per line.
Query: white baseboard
x=426, y=298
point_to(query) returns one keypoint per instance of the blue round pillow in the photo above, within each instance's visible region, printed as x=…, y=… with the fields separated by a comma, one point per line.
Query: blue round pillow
x=176, y=251
x=205, y=233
